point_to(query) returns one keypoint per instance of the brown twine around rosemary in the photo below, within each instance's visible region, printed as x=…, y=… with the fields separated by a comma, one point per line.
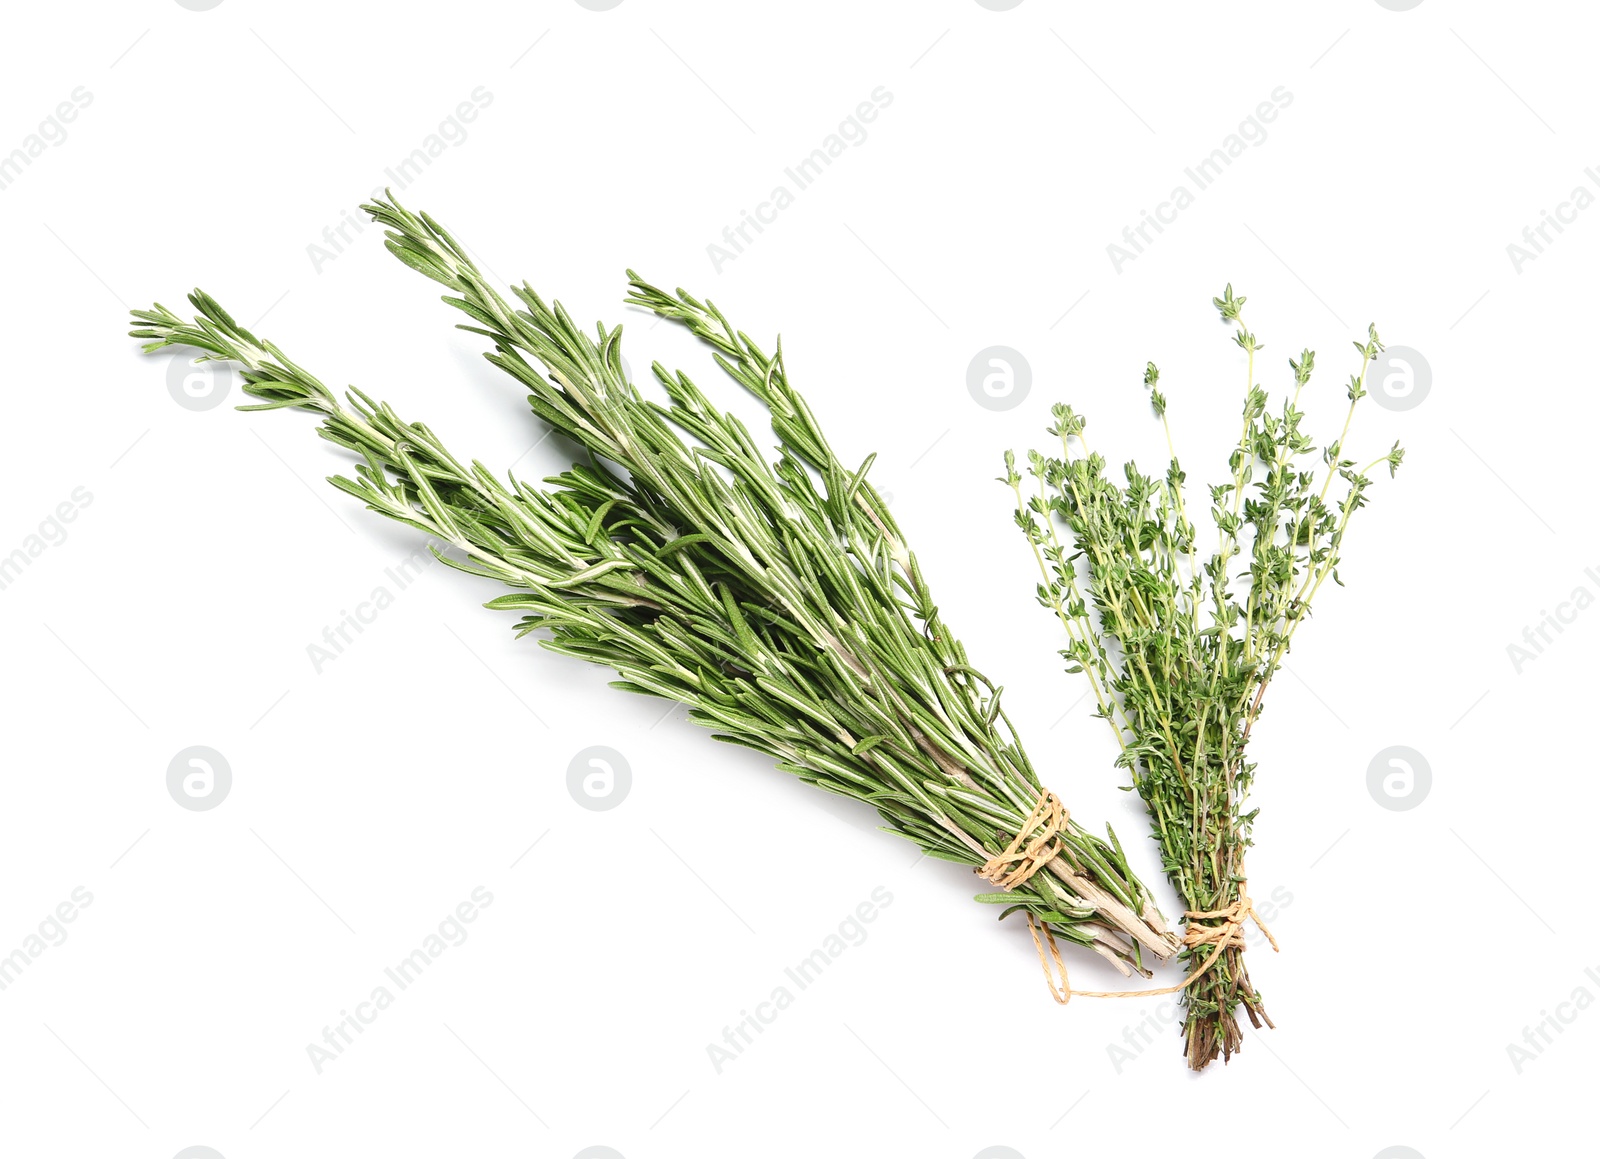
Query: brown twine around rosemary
x=1025, y=856
x=1050, y=817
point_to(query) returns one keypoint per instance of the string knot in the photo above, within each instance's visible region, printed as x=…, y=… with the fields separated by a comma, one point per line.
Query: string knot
x=1029, y=852
x=1230, y=933
x=1231, y=930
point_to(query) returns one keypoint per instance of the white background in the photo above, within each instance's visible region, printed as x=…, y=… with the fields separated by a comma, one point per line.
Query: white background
x=371, y=798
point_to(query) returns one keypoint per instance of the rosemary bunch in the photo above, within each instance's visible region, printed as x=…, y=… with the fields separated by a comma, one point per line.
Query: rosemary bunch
x=1179, y=639
x=778, y=600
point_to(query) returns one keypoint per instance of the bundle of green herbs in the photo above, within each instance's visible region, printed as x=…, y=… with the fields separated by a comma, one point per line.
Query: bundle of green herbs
x=777, y=599
x=1179, y=639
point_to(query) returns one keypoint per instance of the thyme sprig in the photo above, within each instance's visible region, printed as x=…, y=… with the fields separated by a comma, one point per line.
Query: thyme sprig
x=778, y=600
x=1179, y=636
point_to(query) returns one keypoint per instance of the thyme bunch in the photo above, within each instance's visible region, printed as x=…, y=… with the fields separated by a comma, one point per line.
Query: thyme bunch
x=1179, y=634
x=776, y=598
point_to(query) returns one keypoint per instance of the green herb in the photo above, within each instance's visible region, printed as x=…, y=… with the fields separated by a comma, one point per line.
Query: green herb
x=778, y=600
x=1179, y=639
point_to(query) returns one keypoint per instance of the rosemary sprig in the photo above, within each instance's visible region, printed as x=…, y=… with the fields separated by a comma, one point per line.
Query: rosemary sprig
x=779, y=601
x=1179, y=641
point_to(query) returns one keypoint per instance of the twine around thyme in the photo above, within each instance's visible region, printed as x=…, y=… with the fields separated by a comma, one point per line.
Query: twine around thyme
x=1026, y=855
